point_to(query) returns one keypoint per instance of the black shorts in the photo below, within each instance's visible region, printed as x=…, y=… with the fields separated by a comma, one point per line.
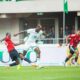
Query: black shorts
x=72, y=49
x=14, y=55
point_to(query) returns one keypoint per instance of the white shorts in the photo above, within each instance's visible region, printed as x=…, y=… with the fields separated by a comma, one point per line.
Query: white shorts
x=26, y=46
x=29, y=45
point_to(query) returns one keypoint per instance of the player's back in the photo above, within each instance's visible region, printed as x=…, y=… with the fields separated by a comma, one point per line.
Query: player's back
x=9, y=43
x=74, y=39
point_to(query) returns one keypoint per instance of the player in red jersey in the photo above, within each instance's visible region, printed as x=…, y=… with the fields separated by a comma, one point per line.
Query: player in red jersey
x=74, y=40
x=11, y=49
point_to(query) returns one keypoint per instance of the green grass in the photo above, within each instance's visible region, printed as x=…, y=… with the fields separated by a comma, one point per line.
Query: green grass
x=47, y=73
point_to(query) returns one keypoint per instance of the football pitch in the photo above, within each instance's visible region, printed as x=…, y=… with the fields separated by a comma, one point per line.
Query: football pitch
x=46, y=73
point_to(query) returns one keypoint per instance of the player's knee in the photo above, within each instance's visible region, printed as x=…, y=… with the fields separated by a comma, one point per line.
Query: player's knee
x=37, y=50
x=21, y=56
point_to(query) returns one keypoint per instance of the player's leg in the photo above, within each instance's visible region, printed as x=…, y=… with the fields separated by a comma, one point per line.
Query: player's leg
x=77, y=54
x=15, y=57
x=37, y=50
x=22, y=57
x=68, y=57
x=38, y=53
x=72, y=50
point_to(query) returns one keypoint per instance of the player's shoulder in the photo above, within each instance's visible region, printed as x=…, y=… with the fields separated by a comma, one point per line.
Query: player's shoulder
x=41, y=31
x=72, y=35
x=31, y=30
x=7, y=37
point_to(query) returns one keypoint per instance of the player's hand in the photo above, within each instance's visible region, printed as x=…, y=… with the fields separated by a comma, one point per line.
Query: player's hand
x=1, y=41
x=15, y=35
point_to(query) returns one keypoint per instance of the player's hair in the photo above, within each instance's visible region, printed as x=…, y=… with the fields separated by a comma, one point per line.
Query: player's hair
x=39, y=26
x=8, y=33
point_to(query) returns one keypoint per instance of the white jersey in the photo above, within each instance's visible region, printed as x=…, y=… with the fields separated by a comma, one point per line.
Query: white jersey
x=30, y=40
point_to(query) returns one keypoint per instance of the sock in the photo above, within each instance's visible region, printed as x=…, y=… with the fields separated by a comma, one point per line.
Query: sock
x=13, y=64
x=38, y=61
x=66, y=59
x=27, y=60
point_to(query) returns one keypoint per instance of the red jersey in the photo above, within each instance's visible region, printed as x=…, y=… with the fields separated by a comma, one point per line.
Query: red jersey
x=9, y=44
x=74, y=40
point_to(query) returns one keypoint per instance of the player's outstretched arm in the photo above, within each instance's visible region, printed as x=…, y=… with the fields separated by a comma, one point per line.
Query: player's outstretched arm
x=2, y=39
x=16, y=44
x=20, y=33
